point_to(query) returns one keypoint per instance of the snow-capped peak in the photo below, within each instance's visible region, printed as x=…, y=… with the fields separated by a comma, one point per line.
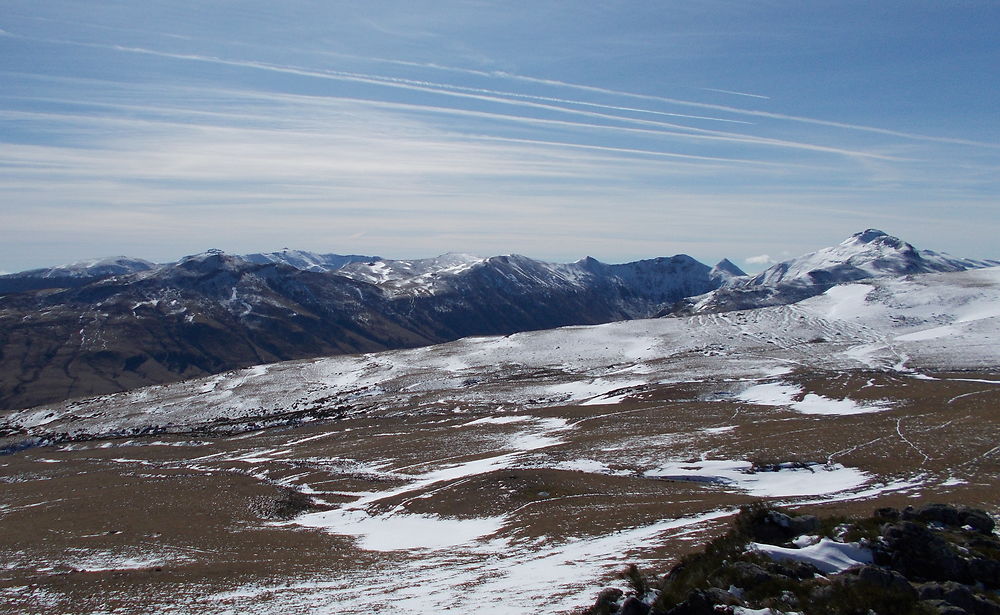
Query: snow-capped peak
x=726, y=270
x=309, y=261
x=870, y=253
x=91, y=268
x=867, y=236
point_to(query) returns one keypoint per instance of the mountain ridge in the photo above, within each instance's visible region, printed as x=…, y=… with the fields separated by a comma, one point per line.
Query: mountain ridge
x=213, y=312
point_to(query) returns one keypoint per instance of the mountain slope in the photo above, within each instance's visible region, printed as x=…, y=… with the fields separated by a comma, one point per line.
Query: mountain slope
x=308, y=261
x=947, y=321
x=144, y=324
x=72, y=275
x=868, y=254
x=214, y=312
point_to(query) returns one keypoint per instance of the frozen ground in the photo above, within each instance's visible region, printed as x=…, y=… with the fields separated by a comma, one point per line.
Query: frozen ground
x=503, y=474
x=934, y=321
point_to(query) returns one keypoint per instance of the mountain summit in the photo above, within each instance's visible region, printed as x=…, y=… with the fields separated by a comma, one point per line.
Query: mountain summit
x=869, y=254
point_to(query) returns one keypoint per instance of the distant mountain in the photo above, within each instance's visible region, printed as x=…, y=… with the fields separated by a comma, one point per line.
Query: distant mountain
x=309, y=261
x=868, y=254
x=72, y=275
x=116, y=324
x=214, y=312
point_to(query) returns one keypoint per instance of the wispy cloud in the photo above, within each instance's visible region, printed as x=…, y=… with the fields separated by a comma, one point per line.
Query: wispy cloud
x=761, y=259
x=509, y=98
x=735, y=93
x=235, y=140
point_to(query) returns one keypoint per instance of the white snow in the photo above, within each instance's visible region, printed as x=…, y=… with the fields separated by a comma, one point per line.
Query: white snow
x=789, y=480
x=827, y=555
x=785, y=394
x=399, y=531
x=550, y=572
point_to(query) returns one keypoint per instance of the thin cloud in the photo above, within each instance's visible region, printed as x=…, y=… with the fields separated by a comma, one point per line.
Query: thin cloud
x=752, y=112
x=735, y=93
x=450, y=91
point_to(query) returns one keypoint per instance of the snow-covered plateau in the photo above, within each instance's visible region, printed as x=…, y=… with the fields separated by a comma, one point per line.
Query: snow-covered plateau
x=501, y=474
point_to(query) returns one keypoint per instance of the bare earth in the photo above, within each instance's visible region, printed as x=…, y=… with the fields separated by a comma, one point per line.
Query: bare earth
x=533, y=508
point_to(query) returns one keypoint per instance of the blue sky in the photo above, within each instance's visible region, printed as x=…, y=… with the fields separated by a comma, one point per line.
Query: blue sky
x=621, y=130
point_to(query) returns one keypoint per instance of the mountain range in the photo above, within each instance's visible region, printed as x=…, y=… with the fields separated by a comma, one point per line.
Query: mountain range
x=120, y=323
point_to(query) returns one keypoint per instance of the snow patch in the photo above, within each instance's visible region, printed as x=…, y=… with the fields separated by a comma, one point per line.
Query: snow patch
x=827, y=555
x=400, y=531
x=784, y=394
x=784, y=480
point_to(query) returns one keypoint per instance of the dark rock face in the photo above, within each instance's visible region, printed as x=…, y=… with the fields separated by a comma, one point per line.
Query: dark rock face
x=886, y=580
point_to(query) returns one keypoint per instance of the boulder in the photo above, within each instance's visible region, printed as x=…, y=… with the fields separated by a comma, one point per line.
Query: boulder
x=976, y=519
x=747, y=574
x=793, y=569
x=958, y=595
x=607, y=601
x=777, y=527
x=886, y=580
x=697, y=603
x=634, y=606
x=985, y=571
x=940, y=607
x=887, y=513
x=922, y=555
x=945, y=514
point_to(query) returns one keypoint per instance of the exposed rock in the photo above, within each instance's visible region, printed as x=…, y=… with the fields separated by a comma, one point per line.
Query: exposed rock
x=747, y=574
x=887, y=513
x=697, y=603
x=793, y=569
x=934, y=545
x=944, y=514
x=985, y=571
x=777, y=527
x=976, y=519
x=960, y=596
x=940, y=607
x=723, y=597
x=922, y=555
x=607, y=601
x=634, y=606
x=885, y=579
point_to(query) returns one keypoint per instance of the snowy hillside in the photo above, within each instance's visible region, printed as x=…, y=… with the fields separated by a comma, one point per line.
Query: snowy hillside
x=213, y=312
x=867, y=254
x=498, y=474
x=308, y=261
x=118, y=324
x=924, y=322
x=73, y=274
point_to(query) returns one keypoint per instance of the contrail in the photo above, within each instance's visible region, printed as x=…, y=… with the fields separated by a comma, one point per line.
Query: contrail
x=450, y=90
x=735, y=93
x=751, y=112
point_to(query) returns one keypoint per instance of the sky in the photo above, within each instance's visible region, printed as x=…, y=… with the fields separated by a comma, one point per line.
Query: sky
x=620, y=129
